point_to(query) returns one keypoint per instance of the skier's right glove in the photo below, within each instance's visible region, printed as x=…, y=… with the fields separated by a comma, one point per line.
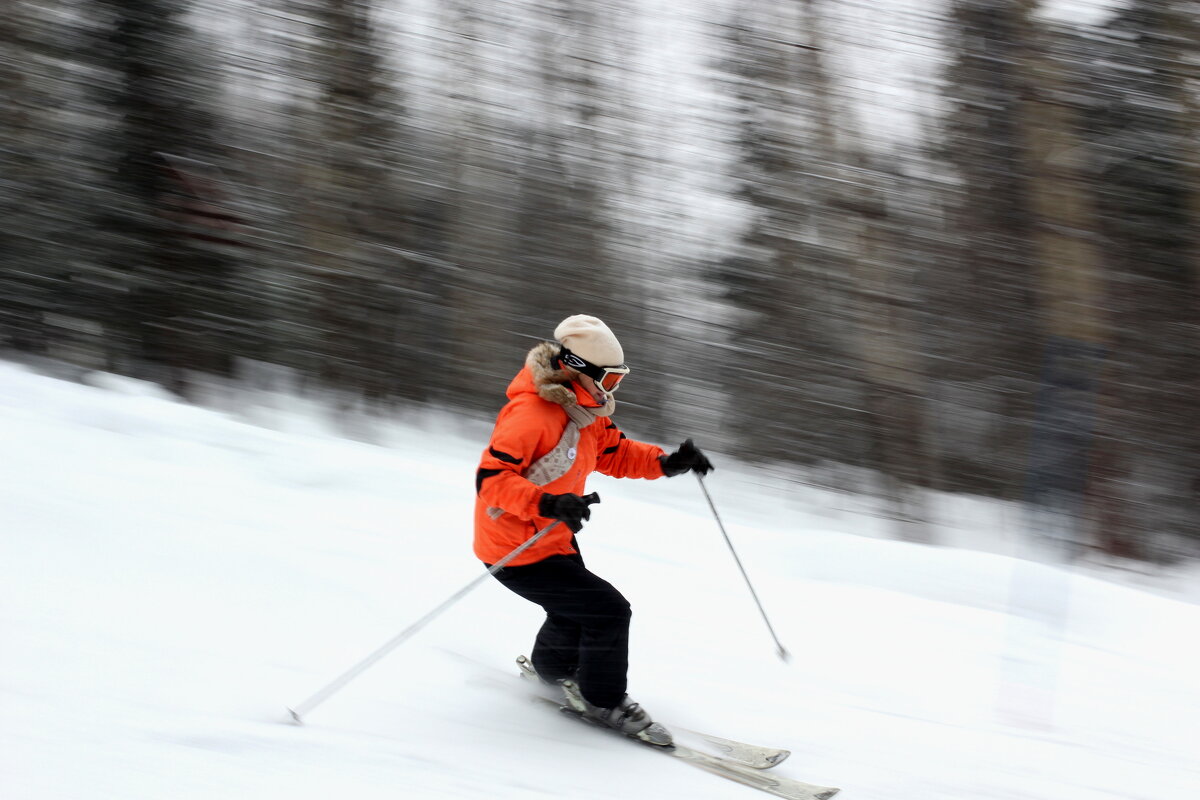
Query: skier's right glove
x=570, y=508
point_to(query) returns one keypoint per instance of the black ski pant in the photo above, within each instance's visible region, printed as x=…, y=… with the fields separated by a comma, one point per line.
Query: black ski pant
x=586, y=632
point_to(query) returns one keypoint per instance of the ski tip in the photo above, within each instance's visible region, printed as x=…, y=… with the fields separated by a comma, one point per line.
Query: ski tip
x=294, y=718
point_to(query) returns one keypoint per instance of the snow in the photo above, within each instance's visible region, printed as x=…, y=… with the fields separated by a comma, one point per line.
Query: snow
x=175, y=577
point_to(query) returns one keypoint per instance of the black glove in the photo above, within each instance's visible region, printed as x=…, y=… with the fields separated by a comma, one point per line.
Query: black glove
x=570, y=508
x=687, y=457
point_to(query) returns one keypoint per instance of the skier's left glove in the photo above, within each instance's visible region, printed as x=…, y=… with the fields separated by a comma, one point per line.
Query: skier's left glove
x=687, y=457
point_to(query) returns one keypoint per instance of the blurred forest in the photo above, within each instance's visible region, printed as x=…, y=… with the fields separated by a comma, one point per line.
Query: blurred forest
x=888, y=246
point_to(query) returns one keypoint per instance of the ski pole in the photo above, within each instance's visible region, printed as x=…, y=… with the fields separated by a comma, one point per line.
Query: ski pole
x=297, y=712
x=780, y=650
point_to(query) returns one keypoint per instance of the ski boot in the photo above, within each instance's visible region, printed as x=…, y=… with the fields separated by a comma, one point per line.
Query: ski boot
x=627, y=718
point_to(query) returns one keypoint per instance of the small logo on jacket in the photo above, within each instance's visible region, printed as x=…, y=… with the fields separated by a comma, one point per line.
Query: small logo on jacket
x=571, y=453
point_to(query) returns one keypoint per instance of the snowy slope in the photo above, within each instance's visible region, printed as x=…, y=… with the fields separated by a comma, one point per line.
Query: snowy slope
x=173, y=578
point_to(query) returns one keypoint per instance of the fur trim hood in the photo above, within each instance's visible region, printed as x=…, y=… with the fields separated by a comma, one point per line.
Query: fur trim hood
x=555, y=385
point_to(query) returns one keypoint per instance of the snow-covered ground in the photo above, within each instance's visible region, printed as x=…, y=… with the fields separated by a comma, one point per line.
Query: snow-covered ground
x=172, y=578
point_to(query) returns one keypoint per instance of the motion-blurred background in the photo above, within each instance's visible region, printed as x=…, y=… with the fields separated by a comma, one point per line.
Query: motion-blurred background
x=883, y=246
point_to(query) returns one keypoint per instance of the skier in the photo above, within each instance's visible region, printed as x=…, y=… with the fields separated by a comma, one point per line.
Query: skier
x=554, y=431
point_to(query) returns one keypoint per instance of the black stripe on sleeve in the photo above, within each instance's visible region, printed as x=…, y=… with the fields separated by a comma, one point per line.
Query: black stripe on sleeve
x=611, y=450
x=505, y=457
x=482, y=475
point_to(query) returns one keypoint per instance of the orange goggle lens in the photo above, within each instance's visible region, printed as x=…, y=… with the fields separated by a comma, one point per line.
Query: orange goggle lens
x=611, y=380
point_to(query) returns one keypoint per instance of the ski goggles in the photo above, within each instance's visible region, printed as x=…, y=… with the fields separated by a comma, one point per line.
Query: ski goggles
x=607, y=378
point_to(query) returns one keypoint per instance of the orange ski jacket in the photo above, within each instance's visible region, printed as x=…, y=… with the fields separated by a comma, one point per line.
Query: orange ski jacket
x=527, y=428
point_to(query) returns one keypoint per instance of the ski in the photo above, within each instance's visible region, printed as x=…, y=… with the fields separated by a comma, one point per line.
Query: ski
x=767, y=782
x=750, y=755
x=729, y=767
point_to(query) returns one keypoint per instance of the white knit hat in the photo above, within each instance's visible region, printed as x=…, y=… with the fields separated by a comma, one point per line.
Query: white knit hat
x=591, y=340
